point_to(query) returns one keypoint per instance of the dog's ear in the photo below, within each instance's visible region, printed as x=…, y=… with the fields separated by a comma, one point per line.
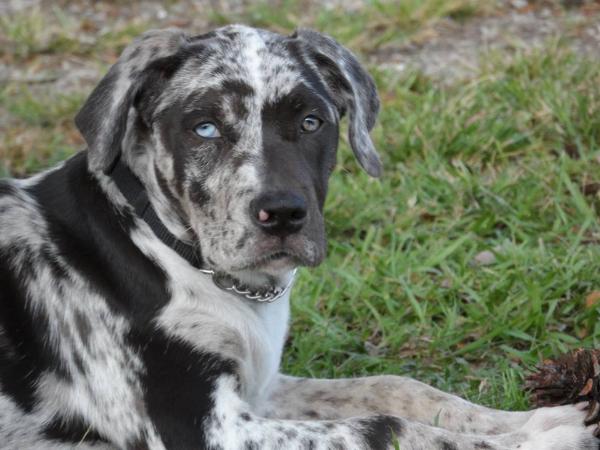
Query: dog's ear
x=102, y=120
x=352, y=89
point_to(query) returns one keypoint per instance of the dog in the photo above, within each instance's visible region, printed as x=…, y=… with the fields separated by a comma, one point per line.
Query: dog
x=144, y=282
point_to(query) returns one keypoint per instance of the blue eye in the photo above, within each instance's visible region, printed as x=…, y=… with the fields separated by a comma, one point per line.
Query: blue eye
x=207, y=130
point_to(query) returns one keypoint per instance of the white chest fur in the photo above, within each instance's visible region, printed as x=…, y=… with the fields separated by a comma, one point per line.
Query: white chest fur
x=274, y=318
x=215, y=321
x=212, y=320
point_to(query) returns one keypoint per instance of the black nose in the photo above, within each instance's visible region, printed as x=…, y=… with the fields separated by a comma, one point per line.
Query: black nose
x=279, y=213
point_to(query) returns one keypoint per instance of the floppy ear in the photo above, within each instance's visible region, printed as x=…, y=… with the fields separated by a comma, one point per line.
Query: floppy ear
x=352, y=89
x=102, y=120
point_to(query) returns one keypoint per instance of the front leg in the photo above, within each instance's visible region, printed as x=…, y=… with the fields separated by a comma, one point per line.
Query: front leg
x=300, y=398
x=233, y=424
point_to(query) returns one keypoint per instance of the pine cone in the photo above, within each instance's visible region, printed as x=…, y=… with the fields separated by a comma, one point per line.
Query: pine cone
x=570, y=378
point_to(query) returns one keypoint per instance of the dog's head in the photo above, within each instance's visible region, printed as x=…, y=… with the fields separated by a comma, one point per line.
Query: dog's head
x=238, y=128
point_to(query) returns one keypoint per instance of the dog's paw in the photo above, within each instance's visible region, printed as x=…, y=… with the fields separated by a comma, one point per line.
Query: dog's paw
x=544, y=419
x=558, y=428
x=563, y=437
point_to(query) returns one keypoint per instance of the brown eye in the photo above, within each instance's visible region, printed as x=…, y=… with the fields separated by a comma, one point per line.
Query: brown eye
x=311, y=124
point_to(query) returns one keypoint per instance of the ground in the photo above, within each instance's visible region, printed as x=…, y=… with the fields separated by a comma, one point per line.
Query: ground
x=477, y=252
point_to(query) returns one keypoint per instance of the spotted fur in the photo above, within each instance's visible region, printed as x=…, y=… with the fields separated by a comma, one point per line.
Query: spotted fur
x=109, y=339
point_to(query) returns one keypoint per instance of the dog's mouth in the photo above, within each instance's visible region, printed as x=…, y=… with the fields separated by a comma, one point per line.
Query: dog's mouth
x=280, y=259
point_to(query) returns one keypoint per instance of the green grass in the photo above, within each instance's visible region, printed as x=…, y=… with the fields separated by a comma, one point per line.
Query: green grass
x=41, y=131
x=32, y=33
x=506, y=162
x=364, y=28
x=471, y=167
x=367, y=27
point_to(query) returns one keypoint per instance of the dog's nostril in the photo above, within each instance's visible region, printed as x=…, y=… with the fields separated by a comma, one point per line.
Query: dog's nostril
x=298, y=214
x=263, y=215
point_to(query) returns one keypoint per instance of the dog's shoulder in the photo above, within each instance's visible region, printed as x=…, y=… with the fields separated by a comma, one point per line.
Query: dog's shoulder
x=21, y=222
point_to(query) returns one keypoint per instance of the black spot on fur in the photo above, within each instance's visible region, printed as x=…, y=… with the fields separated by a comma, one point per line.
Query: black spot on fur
x=239, y=87
x=217, y=71
x=73, y=430
x=444, y=444
x=230, y=34
x=203, y=36
x=380, y=431
x=178, y=382
x=138, y=444
x=26, y=350
x=83, y=327
x=174, y=203
x=154, y=51
x=6, y=189
x=308, y=444
x=311, y=414
x=483, y=445
x=245, y=417
x=81, y=367
x=198, y=193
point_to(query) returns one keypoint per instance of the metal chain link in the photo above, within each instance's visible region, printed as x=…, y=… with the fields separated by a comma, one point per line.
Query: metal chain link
x=265, y=296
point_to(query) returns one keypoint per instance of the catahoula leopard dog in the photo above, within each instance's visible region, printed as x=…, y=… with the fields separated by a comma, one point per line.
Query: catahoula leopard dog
x=144, y=282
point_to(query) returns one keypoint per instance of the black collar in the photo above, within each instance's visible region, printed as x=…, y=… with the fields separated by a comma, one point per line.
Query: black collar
x=133, y=190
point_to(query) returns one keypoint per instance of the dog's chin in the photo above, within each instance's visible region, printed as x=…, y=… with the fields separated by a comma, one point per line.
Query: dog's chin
x=274, y=267
x=273, y=263
x=268, y=260
x=270, y=270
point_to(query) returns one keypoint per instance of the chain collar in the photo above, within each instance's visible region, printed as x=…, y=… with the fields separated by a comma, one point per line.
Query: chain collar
x=265, y=295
